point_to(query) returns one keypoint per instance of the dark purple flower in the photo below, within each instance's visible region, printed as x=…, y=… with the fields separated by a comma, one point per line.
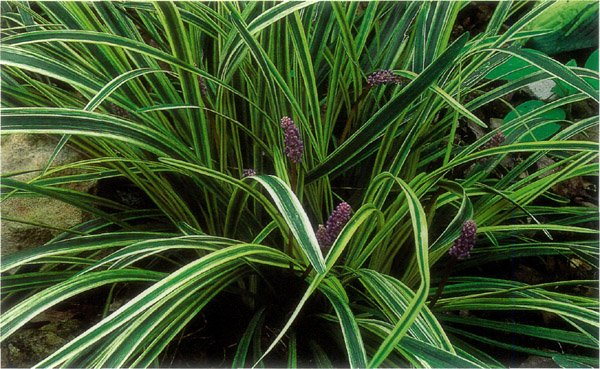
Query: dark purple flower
x=383, y=76
x=323, y=236
x=338, y=219
x=294, y=147
x=327, y=234
x=495, y=141
x=465, y=242
x=201, y=84
x=248, y=173
x=117, y=110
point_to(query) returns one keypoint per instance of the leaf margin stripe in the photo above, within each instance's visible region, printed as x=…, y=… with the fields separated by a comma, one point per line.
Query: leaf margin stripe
x=419, y=222
x=288, y=205
x=352, y=337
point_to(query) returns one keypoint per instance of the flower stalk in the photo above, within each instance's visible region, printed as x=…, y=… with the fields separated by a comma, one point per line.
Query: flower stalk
x=460, y=250
x=384, y=76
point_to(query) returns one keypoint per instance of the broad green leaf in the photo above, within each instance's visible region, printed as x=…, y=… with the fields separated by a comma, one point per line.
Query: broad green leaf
x=513, y=68
x=592, y=64
x=592, y=61
x=560, y=14
x=574, y=26
x=540, y=130
x=555, y=69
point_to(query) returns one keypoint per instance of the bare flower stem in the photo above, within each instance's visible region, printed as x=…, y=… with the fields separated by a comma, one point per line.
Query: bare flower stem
x=293, y=178
x=443, y=282
x=353, y=113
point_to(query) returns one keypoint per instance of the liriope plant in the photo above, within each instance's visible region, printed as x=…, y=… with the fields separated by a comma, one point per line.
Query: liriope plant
x=247, y=124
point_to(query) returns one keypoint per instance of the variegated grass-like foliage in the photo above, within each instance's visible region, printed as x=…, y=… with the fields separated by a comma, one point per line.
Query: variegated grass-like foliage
x=182, y=98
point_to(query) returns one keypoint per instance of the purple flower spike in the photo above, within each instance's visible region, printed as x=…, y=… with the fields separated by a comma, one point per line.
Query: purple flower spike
x=495, y=141
x=465, y=243
x=202, y=85
x=117, y=110
x=327, y=234
x=248, y=173
x=294, y=147
x=383, y=76
x=323, y=236
x=338, y=219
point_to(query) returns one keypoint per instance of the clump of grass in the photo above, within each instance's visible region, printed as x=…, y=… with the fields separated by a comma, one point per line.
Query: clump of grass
x=181, y=99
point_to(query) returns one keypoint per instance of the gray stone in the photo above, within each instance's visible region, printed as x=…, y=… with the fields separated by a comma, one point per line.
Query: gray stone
x=541, y=90
x=496, y=122
x=25, y=155
x=534, y=361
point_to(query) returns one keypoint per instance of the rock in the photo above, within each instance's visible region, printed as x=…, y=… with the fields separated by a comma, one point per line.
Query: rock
x=541, y=90
x=21, y=153
x=545, y=162
x=527, y=275
x=496, y=122
x=534, y=361
x=575, y=188
x=28, y=347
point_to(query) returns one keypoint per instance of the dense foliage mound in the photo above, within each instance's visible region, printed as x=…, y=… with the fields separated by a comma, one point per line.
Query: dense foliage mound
x=360, y=184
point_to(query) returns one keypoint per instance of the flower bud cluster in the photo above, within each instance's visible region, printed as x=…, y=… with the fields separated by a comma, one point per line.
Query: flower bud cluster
x=383, y=76
x=294, y=147
x=117, y=110
x=201, y=84
x=323, y=236
x=495, y=141
x=248, y=173
x=327, y=234
x=465, y=243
